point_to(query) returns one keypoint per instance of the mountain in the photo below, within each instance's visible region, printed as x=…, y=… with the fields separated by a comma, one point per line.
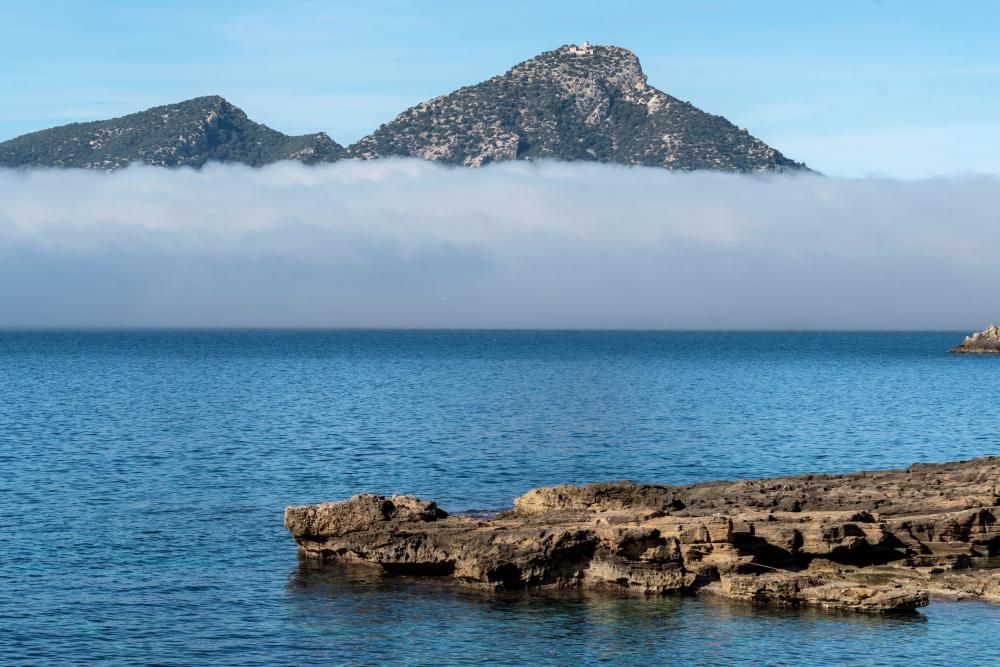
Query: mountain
x=188, y=133
x=574, y=103
x=589, y=103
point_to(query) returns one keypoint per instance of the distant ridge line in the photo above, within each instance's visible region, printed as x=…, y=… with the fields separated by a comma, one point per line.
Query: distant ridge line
x=576, y=103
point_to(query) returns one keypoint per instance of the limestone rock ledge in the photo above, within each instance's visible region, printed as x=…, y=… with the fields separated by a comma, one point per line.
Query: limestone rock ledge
x=877, y=542
x=986, y=341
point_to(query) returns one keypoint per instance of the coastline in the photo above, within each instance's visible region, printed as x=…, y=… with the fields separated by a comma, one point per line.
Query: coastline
x=874, y=541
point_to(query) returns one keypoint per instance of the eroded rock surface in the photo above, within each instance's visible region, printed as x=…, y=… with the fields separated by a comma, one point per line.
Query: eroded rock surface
x=986, y=341
x=877, y=542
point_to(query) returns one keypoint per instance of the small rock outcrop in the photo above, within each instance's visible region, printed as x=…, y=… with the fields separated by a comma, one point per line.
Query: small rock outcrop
x=876, y=542
x=986, y=341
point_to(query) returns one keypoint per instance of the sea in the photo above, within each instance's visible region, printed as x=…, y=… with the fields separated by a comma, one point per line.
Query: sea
x=143, y=475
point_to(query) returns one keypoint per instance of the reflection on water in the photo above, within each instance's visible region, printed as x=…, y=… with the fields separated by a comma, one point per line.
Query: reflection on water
x=399, y=619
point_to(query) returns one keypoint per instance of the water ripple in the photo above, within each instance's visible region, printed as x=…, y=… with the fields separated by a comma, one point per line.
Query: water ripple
x=144, y=476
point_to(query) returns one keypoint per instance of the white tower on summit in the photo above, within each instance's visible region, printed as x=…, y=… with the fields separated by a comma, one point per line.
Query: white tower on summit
x=582, y=50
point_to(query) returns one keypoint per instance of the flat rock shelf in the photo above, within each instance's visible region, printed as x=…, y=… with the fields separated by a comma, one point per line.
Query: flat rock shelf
x=875, y=542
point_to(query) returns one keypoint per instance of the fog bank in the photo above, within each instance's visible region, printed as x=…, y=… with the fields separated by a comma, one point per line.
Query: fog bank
x=404, y=243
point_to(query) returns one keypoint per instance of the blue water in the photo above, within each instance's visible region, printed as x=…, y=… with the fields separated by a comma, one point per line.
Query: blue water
x=143, y=477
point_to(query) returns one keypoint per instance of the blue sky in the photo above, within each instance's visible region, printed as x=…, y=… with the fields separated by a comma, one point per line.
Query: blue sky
x=906, y=89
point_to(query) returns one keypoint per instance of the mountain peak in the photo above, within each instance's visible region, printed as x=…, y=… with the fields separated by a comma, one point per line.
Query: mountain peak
x=211, y=104
x=576, y=102
x=587, y=54
x=584, y=62
x=187, y=133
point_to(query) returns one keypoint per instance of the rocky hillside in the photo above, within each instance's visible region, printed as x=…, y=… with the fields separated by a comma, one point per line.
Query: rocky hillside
x=188, y=133
x=575, y=103
x=584, y=102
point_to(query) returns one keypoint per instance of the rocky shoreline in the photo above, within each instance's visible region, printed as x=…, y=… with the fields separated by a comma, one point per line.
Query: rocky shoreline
x=986, y=341
x=876, y=542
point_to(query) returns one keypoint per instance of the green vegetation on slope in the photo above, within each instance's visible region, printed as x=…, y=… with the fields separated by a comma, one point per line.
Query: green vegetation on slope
x=188, y=133
x=573, y=103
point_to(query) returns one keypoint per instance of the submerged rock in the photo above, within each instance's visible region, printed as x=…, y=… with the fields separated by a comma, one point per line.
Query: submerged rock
x=986, y=341
x=870, y=542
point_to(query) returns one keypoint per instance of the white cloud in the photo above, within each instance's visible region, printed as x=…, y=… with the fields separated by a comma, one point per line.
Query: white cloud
x=404, y=243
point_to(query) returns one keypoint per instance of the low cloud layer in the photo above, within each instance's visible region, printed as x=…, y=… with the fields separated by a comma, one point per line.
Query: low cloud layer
x=412, y=244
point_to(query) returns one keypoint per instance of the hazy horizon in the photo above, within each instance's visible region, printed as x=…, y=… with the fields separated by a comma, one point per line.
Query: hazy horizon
x=415, y=245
